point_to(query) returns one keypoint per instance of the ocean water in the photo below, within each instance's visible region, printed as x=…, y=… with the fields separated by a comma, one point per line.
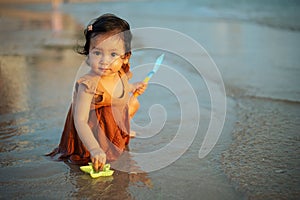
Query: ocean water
x=279, y=14
x=234, y=33
x=274, y=13
x=255, y=46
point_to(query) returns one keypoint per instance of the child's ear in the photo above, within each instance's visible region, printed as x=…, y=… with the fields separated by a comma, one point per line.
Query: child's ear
x=126, y=58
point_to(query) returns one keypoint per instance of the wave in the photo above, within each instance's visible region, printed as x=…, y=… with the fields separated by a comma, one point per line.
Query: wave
x=273, y=13
x=275, y=99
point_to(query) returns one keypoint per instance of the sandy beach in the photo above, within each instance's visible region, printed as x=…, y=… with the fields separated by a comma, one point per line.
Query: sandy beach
x=257, y=154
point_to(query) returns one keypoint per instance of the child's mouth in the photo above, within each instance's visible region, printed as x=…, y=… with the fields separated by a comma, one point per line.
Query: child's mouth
x=104, y=69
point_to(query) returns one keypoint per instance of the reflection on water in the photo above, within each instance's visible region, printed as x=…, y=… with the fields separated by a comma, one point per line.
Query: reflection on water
x=35, y=94
x=10, y=129
x=57, y=22
x=117, y=186
x=13, y=83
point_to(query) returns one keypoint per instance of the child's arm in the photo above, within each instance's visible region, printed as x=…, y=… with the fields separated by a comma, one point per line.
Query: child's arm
x=134, y=104
x=81, y=116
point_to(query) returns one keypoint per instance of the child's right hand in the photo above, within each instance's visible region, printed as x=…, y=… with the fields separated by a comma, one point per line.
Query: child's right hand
x=98, y=158
x=139, y=88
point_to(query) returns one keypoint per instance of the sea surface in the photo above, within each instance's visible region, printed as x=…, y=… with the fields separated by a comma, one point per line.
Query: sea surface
x=255, y=45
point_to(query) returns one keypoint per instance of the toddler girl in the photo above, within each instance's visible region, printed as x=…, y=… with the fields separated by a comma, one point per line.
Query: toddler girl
x=97, y=126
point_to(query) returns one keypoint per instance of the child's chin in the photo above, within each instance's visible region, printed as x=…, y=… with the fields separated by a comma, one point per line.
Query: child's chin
x=104, y=73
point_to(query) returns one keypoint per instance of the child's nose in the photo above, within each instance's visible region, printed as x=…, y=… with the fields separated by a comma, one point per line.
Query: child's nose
x=105, y=60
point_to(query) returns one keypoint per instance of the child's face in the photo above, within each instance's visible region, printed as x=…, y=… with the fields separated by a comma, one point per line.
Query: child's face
x=106, y=54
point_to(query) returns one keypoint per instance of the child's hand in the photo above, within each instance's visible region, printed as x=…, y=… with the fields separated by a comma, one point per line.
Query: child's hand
x=139, y=87
x=98, y=158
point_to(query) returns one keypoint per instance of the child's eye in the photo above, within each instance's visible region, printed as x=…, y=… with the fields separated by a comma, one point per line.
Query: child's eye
x=114, y=54
x=97, y=53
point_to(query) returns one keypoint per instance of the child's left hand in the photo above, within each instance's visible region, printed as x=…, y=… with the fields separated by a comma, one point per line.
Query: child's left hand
x=139, y=87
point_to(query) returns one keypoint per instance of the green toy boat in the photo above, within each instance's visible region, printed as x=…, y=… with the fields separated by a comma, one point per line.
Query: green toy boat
x=105, y=172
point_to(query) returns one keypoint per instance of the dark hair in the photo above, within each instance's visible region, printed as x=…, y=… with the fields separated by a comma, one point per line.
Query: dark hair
x=107, y=23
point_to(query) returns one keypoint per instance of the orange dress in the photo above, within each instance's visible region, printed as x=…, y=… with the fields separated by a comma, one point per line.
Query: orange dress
x=108, y=120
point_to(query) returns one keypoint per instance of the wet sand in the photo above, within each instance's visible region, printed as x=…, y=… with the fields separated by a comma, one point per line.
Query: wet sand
x=257, y=156
x=263, y=159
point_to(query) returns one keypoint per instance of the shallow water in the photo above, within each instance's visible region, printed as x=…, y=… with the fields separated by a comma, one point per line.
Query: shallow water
x=38, y=85
x=260, y=69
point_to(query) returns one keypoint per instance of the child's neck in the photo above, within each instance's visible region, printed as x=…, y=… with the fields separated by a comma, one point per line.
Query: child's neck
x=113, y=85
x=111, y=77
